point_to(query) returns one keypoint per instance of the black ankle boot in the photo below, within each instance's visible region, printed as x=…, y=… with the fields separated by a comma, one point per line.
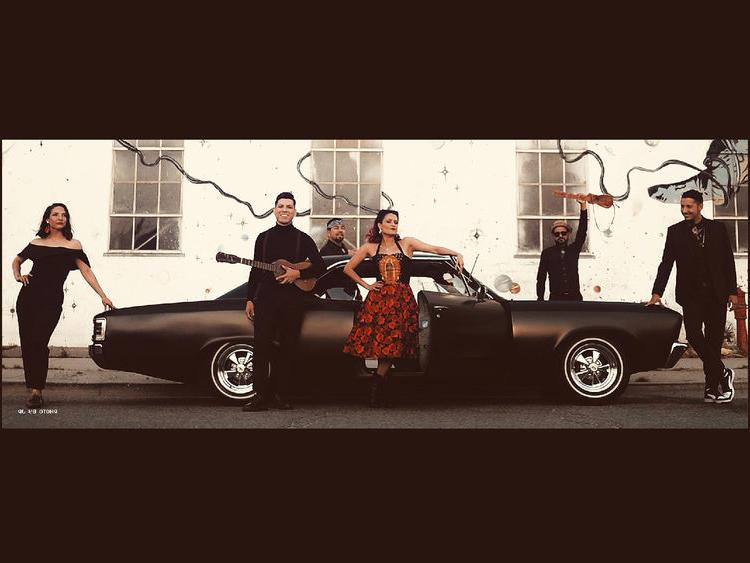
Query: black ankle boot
x=376, y=391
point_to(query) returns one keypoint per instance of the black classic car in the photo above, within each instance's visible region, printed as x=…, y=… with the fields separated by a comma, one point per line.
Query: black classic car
x=587, y=350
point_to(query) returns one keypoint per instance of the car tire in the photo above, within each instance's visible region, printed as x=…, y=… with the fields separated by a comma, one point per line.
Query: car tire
x=231, y=371
x=593, y=370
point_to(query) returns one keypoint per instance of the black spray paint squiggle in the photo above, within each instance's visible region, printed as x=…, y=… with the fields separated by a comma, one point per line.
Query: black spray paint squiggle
x=725, y=170
x=602, y=187
x=320, y=191
x=265, y=214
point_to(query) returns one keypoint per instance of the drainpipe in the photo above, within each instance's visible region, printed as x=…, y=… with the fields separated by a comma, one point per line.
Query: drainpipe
x=740, y=314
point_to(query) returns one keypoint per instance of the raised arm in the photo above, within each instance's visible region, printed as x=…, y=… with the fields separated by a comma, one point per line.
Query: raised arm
x=583, y=224
x=417, y=244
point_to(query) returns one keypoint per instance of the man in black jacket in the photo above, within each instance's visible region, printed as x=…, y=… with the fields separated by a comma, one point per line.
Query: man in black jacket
x=336, y=233
x=561, y=261
x=706, y=279
x=276, y=305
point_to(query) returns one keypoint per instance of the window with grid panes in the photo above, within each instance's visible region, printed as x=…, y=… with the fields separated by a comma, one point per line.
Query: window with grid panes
x=146, y=210
x=540, y=173
x=352, y=168
x=734, y=217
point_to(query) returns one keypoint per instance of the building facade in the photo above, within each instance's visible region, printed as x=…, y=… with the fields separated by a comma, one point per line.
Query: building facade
x=152, y=235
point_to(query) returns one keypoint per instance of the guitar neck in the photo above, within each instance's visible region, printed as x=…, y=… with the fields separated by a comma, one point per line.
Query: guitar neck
x=232, y=259
x=259, y=265
x=567, y=194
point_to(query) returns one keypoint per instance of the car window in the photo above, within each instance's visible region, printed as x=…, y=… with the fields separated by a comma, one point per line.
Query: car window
x=334, y=284
x=437, y=276
x=448, y=285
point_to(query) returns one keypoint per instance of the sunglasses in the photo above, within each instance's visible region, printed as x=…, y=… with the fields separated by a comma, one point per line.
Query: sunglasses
x=560, y=234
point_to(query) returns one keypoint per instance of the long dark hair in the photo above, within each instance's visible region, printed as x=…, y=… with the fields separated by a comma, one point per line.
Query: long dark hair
x=67, y=230
x=374, y=235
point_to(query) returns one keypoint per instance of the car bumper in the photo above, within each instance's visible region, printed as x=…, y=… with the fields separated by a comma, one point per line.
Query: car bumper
x=678, y=349
x=96, y=353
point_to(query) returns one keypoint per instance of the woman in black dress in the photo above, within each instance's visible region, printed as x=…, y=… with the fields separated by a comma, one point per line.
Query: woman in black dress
x=386, y=326
x=55, y=252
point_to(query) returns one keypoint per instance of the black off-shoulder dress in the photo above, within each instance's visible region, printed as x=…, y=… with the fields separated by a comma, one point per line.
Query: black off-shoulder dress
x=39, y=305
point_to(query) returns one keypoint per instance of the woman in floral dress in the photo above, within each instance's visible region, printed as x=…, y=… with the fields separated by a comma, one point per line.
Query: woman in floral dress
x=386, y=326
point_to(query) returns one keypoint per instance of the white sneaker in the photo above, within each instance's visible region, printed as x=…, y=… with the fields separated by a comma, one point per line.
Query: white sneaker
x=725, y=397
x=709, y=396
x=726, y=390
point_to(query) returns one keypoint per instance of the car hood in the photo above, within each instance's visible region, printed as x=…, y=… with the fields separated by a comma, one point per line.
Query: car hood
x=574, y=307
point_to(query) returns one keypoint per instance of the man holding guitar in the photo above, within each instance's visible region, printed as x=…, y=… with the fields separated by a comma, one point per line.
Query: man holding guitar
x=276, y=301
x=561, y=260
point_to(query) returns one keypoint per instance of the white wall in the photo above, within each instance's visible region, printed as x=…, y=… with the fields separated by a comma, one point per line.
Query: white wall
x=478, y=194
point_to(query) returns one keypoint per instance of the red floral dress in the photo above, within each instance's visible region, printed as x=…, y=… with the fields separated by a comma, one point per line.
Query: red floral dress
x=387, y=324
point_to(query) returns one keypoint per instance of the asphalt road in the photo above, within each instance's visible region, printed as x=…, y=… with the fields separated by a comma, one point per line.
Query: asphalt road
x=179, y=406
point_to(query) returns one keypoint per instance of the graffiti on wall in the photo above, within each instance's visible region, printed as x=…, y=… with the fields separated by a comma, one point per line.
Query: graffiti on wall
x=247, y=204
x=724, y=170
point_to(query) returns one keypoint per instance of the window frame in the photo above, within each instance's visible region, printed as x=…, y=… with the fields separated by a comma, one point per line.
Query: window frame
x=179, y=215
x=361, y=217
x=736, y=218
x=540, y=185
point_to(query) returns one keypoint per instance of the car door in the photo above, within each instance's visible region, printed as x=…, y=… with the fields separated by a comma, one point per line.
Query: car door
x=462, y=334
x=330, y=314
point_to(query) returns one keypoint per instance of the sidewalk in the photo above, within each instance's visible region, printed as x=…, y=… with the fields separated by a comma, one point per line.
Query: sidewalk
x=84, y=370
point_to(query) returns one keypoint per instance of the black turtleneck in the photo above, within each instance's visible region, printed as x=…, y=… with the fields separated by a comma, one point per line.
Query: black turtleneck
x=289, y=243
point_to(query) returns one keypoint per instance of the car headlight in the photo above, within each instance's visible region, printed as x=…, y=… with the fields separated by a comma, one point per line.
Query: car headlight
x=100, y=327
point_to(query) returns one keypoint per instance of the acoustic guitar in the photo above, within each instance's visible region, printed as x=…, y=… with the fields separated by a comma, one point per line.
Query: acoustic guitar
x=275, y=267
x=605, y=200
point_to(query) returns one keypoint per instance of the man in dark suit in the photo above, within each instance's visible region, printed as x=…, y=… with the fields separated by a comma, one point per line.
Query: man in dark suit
x=706, y=279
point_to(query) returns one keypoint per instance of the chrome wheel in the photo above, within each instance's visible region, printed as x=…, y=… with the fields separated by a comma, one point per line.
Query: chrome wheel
x=232, y=371
x=594, y=368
